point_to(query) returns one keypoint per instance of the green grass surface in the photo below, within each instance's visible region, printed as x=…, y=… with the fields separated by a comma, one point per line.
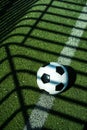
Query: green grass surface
x=32, y=36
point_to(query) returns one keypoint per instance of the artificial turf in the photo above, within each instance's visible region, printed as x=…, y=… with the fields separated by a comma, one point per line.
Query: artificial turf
x=31, y=36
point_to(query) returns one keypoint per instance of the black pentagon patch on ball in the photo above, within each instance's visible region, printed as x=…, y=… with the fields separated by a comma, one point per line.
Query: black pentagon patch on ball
x=45, y=78
x=59, y=87
x=59, y=70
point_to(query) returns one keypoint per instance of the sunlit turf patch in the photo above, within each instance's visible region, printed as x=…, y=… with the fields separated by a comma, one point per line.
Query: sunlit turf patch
x=5, y=90
x=2, y=51
x=85, y=35
x=44, y=45
x=31, y=55
x=72, y=3
x=8, y=107
x=17, y=122
x=4, y=69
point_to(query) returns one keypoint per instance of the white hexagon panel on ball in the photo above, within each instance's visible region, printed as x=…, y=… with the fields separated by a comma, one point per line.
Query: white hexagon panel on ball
x=53, y=78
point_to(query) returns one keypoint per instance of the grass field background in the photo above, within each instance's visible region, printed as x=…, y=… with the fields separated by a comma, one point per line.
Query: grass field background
x=34, y=33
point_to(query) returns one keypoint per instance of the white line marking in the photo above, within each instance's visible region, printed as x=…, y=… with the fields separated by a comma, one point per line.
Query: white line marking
x=38, y=115
x=72, y=40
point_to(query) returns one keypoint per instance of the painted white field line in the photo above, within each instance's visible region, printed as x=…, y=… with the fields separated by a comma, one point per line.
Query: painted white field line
x=40, y=112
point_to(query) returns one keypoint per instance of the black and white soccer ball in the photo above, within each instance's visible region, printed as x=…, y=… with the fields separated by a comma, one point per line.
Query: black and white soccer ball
x=53, y=78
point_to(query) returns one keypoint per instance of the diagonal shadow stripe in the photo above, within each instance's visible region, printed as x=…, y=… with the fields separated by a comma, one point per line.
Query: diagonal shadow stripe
x=38, y=20
x=17, y=87
x=12, y=16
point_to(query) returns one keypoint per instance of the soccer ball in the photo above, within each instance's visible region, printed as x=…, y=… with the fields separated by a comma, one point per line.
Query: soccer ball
x=53, y=78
